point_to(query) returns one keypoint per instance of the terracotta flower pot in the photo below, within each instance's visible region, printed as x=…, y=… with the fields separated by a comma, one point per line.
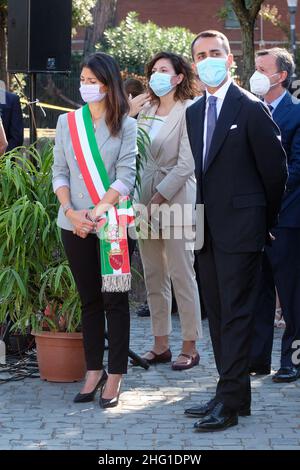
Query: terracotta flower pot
x=60, y=356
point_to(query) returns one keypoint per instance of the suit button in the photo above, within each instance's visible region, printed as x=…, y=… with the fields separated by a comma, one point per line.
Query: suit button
x=80, y=195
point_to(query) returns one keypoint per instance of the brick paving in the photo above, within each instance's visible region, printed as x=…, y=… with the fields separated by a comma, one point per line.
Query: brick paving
x=40, y=415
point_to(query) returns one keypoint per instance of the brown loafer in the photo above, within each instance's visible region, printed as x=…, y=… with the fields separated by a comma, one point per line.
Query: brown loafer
x=164, y=357
x=191, y=362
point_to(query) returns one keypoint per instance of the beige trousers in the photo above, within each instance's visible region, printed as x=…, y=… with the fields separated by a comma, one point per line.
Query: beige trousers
x=163, y=260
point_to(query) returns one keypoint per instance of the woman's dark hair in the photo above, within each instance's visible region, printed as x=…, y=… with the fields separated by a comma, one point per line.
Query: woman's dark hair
x=107, y=71
x=186, y=89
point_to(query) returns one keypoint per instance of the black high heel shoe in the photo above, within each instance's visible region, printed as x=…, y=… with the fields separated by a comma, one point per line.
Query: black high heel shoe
x=86, y=397
x=109, y=402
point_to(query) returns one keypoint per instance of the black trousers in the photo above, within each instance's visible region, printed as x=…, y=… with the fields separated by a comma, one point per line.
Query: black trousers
x=229, y=288
x=281, y=267
x=84, y=260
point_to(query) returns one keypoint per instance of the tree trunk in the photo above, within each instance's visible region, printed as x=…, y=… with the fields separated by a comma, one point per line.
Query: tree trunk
x=3, y=45
x=248, y=64
x=103, y=17
x=247, y=13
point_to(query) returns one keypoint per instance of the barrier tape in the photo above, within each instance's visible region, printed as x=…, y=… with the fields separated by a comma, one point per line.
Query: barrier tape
x=50, y=106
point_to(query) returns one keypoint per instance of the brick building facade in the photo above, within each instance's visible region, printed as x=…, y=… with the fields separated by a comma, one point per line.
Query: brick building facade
x=198, y=15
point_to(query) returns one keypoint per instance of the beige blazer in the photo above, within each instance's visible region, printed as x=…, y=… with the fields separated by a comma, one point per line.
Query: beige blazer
x=169, y=168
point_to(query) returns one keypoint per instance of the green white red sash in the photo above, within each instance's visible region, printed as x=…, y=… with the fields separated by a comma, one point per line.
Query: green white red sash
x=112, y=230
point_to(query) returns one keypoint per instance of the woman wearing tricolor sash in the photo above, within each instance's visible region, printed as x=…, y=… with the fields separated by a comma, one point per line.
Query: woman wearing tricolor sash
x=93, y=175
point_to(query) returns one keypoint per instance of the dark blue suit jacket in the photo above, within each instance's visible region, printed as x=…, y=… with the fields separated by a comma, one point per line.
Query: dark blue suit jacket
x=287, y=117
x=12, y=118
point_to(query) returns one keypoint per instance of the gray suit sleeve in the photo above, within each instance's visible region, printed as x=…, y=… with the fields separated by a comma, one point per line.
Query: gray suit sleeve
x=60, y=168
x=126, y=162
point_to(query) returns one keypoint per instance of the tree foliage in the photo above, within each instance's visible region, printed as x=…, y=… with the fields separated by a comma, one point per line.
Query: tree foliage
x=133, y=43
x=82, y=12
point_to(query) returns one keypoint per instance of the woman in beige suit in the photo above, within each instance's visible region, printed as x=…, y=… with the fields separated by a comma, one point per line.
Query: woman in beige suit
x=168, y=181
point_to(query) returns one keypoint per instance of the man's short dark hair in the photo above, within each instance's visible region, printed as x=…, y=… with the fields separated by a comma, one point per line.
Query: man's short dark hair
x=211, y=33
x=284, y=62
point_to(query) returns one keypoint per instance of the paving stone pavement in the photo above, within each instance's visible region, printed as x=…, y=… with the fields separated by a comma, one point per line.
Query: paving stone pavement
x=41, y=415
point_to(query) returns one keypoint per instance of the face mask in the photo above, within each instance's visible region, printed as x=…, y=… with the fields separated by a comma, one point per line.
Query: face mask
x=160, y=83
x=91, y=93
x=212, y=71
x=260, y=84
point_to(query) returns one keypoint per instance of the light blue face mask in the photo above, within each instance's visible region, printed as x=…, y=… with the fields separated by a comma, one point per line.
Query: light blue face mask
x=160, y=83
x=212, y=70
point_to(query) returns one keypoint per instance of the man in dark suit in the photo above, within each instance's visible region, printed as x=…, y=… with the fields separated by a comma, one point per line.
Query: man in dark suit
x=241, y=173
x=281, y=261
x=11, y=114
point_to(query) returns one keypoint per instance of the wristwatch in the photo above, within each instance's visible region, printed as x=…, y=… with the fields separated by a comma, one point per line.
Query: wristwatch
x=66, y=207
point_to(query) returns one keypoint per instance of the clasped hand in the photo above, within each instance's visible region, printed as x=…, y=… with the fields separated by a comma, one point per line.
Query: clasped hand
x=82, y=225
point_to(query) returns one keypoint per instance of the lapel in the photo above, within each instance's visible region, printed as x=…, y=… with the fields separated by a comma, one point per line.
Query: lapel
x=170, y=123
x=230, y=108
x=283, y=108
x=102, y=133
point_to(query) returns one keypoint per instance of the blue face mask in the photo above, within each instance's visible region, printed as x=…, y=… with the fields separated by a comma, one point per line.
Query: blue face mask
x=160, y=83
x=212, y=70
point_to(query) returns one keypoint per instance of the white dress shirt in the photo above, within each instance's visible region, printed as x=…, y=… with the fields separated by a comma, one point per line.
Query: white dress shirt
x=220, y=95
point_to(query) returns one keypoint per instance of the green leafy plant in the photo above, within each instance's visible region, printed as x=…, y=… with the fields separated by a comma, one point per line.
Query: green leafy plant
x=143, y=141
x=133, y=43
x=30, y=245
x=58, y=292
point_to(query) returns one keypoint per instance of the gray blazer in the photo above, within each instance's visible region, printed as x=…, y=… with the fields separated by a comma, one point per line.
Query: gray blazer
x=118, y=153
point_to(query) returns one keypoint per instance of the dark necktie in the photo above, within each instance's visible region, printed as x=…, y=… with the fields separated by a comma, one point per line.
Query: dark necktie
x=270, y=108
x=211, y=124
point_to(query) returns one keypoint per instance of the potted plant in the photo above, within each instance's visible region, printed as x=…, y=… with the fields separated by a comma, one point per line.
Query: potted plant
x=56, y=327
x=34, y=274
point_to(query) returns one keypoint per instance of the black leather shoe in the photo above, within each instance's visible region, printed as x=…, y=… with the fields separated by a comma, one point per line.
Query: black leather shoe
x=86, y=397
x=260, y=370
x=143, y=311
x=220, y=418
x=286, y=374
x=203, y=410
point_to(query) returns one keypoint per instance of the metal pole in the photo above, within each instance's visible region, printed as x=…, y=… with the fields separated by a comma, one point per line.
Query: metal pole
x=32, y=109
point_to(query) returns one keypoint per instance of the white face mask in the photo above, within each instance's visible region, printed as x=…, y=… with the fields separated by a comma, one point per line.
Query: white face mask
x=91, y=93
x=260, y=84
